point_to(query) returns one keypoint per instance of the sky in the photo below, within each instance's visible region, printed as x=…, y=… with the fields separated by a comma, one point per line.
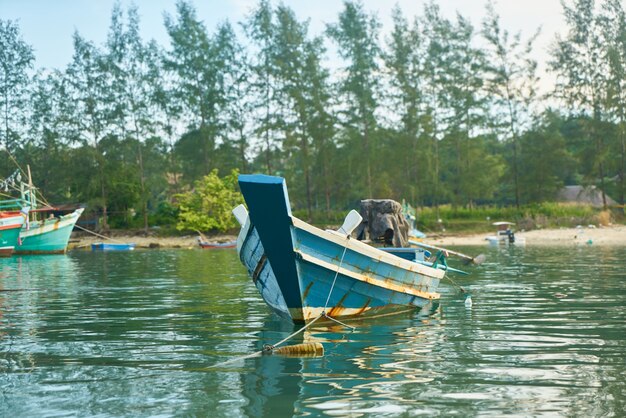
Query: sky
x=48, y=25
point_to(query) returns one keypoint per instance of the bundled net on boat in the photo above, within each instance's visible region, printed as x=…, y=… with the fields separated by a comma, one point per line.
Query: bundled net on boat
x=384, y=222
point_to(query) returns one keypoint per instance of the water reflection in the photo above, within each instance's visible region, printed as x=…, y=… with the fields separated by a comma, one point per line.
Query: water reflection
x=135, y=333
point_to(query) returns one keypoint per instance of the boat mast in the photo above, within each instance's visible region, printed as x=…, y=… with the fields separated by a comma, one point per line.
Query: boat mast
x=32, y=199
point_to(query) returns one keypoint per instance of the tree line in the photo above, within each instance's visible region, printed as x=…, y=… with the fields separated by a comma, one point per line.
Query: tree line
x=437, y=112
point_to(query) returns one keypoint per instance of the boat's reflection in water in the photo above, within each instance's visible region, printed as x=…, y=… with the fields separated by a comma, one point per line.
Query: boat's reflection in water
x=367, y=370
x=29, y=269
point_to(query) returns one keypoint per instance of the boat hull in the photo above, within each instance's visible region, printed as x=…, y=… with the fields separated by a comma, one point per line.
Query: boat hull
x=10, y=227
x=304, y=272
x=353, y=292
x=49, y=236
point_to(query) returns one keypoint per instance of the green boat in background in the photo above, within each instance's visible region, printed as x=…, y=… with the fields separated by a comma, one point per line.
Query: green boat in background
x=40, y=234
x=48, y=236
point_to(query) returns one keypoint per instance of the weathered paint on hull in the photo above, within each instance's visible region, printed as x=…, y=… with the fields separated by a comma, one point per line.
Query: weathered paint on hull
x=9, y=237
x=252, y=255
x=368, y=282
x=350, y=296
x=48, y=237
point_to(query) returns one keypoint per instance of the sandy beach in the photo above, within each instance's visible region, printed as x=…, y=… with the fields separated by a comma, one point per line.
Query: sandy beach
x=188, y=241
x=603, y=236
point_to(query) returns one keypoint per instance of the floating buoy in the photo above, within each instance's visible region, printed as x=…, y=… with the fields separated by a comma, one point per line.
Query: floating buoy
x=300, y=350
x=468, y=301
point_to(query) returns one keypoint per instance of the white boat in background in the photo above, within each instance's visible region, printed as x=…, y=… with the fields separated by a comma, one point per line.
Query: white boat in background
x=505, y=235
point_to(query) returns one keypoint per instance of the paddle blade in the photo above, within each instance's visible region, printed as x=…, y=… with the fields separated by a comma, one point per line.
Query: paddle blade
x=351, y=222
x=241, y=214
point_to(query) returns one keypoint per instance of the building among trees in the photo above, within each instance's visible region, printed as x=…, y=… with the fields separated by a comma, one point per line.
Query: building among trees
x=585, y=195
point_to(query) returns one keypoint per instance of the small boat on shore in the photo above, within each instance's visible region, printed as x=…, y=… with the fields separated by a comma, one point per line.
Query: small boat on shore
x=112, y=246
x=505, y=235
x=304, y=272
x=213, y=245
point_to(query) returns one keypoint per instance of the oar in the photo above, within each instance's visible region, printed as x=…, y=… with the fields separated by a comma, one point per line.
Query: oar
x=479, y=259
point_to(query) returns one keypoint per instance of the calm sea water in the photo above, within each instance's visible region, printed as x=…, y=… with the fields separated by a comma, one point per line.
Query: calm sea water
x=134, y=334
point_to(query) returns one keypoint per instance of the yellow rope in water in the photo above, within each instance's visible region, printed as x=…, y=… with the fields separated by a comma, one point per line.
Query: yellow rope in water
x=269, y=347
x=266, y=347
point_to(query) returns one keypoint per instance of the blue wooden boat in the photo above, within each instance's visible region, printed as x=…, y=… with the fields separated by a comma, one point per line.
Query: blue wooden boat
x=107, y=246
x=303, y=272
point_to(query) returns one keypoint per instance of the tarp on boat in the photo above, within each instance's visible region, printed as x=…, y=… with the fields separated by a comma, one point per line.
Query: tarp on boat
x=383, y=221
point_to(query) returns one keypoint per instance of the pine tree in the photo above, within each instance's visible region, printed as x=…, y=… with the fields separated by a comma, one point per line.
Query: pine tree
x=511, y=81
x=356, y=35
x=16, y=60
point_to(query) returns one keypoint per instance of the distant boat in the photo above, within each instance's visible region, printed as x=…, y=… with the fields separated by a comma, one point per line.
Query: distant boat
x=410, y=214
x=211, y=245
x=47, y=236
x=39, y=234
x=112, y=246
x=10, y=226
x=505, y=235
x=303, y=272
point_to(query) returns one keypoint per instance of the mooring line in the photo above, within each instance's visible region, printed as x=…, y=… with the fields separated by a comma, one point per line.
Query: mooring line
x=96, y=234
x=339, y=322
x=454, y=283
x=269, y=347
x=335, y=279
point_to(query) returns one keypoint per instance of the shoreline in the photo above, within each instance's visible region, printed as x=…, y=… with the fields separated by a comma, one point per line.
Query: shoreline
x=152, y=242
x=604, y=236
x=614, y=235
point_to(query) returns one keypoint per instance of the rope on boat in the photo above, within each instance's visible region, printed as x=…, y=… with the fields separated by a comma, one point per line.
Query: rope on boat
x=455, y=283
x=96, y=234
x=335, y=279
x=307, y=348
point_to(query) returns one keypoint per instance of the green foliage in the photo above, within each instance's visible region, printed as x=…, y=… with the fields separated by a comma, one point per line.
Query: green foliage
x=480, y=218
x=16, y=58
x=165, y=214
x=356, y=35
x=544, y=161
x=439, y=114
x=208, y=206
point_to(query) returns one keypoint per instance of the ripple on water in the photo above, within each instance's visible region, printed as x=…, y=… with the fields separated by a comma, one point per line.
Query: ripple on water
x=134, y=335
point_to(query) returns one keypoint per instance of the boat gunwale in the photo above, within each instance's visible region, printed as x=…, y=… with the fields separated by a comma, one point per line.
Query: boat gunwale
x=46, y=226
x=368, y=250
